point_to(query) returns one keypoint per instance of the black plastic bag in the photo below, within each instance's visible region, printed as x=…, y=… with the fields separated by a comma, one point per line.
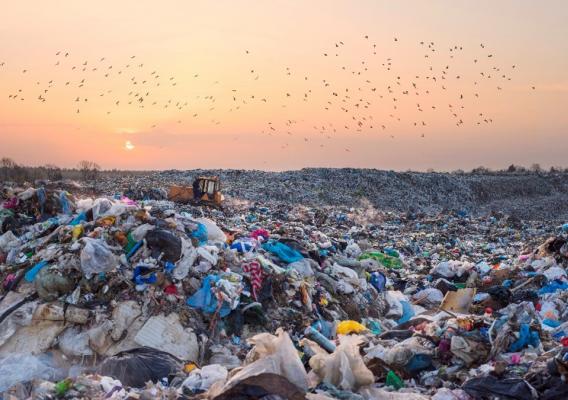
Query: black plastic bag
x=137, y=366
x=489, y=386
x=162, y=241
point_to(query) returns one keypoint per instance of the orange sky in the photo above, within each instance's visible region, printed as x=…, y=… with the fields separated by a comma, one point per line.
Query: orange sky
x=218, y=123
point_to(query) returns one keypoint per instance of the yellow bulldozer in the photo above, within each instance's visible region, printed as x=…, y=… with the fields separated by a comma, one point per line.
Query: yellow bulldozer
x=205, y=190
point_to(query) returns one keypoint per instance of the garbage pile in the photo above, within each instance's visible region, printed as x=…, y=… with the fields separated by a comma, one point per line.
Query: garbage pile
x=115, y=297
x=540, y=196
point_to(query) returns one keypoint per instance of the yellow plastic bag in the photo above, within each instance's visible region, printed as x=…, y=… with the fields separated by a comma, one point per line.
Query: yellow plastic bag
x=77, y=231
x=347, y=327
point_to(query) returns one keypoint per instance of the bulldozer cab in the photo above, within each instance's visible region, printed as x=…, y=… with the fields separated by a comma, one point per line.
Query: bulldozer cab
x=205, y=190
x=208, y=185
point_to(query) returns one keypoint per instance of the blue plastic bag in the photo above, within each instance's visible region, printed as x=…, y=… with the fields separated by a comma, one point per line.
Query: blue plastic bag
x=407, y=312
x=200, y=233
x=283, y=251
x=553, y=287
x=526, y=337
x=42, y=197
x=78, y=219
x=417, y=363
x=31, y=274
x=204, y=299
x=242, y=246
x=65, y=206
x=378, y=280
x=144, y=275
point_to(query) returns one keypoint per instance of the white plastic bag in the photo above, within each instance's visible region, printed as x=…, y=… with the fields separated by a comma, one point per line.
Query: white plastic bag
x=214, y=233
x=275, y=355
x=140, y=232
x=25, y=367
x=8, y=241
x=203, y=378
x=74, y=343
x=344, y=368
x=97, y=257
x=302, y=267
x=188, y=257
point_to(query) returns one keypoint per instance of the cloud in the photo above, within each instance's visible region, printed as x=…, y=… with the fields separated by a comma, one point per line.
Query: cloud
x=162, y=139
x=126, y=130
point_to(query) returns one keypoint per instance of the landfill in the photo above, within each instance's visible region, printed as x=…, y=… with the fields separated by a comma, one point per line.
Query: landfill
x=122, y=294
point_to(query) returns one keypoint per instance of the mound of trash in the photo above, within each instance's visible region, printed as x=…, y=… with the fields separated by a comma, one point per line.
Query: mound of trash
x=122, y=297
x=527, y=195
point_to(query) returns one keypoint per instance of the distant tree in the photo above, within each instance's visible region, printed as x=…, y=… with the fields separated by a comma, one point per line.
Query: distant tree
x=512, y=168
x=53, y=172
x=89, y=170
x=7, y=165
x=536, y=167
x=21, y=174
x=480, y=170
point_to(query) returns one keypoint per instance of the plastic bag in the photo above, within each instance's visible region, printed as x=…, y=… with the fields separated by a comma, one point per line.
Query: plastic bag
x=347, y=327
x=74, y=343
x=188, y=257
x=162, y=241
x=386, y=260
x=100, y=207
x=527, y=337
x=283, y=251
x=344, y=368
x=555, y=273
x=140, y=232
x=202, y=379
x=8, y=241
x=214, y=233
x=410, y=355
x=262, y=386
x=393, y=380
x=209, y=254
x=137, y=366
x=449, y=269
x=167, y=334
x=302, y=267
x=200, y=234
x=344, y=272
x=51, y=285
x=23, y=367
x=272, y=355
x=428, y=297
x=373, y=393
x=31, y=274
x=244, y=245
x=205, y=300
x=97, y=257
x=352, y=250
x=490, y=386
x=65, y=204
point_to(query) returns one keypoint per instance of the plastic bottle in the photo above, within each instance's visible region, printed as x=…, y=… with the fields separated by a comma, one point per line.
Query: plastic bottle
x=320, y=339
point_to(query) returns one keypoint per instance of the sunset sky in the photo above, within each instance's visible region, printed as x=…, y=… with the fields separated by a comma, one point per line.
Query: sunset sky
x=258, y=84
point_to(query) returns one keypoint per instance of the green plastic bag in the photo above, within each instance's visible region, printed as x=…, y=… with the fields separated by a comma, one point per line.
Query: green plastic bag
x=386, y=260
x=394, y=380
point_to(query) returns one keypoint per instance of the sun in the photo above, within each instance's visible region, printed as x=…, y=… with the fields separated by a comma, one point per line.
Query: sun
x=128, y=145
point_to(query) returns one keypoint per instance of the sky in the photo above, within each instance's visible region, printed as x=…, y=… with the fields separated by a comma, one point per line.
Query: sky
x=280, y=85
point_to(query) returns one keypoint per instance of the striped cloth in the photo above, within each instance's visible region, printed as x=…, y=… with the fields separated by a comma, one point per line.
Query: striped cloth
x=254, y=270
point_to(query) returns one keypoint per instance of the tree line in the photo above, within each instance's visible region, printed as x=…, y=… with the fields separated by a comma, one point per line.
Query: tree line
x=10, y=170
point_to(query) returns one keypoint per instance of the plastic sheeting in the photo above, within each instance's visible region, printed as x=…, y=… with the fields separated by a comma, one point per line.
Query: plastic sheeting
x=138, y=366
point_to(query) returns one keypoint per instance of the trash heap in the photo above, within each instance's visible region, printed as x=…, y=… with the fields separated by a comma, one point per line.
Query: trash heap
x=117, y=298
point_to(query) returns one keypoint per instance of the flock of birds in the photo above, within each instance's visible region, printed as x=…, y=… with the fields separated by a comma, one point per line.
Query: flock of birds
x=369, y=95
